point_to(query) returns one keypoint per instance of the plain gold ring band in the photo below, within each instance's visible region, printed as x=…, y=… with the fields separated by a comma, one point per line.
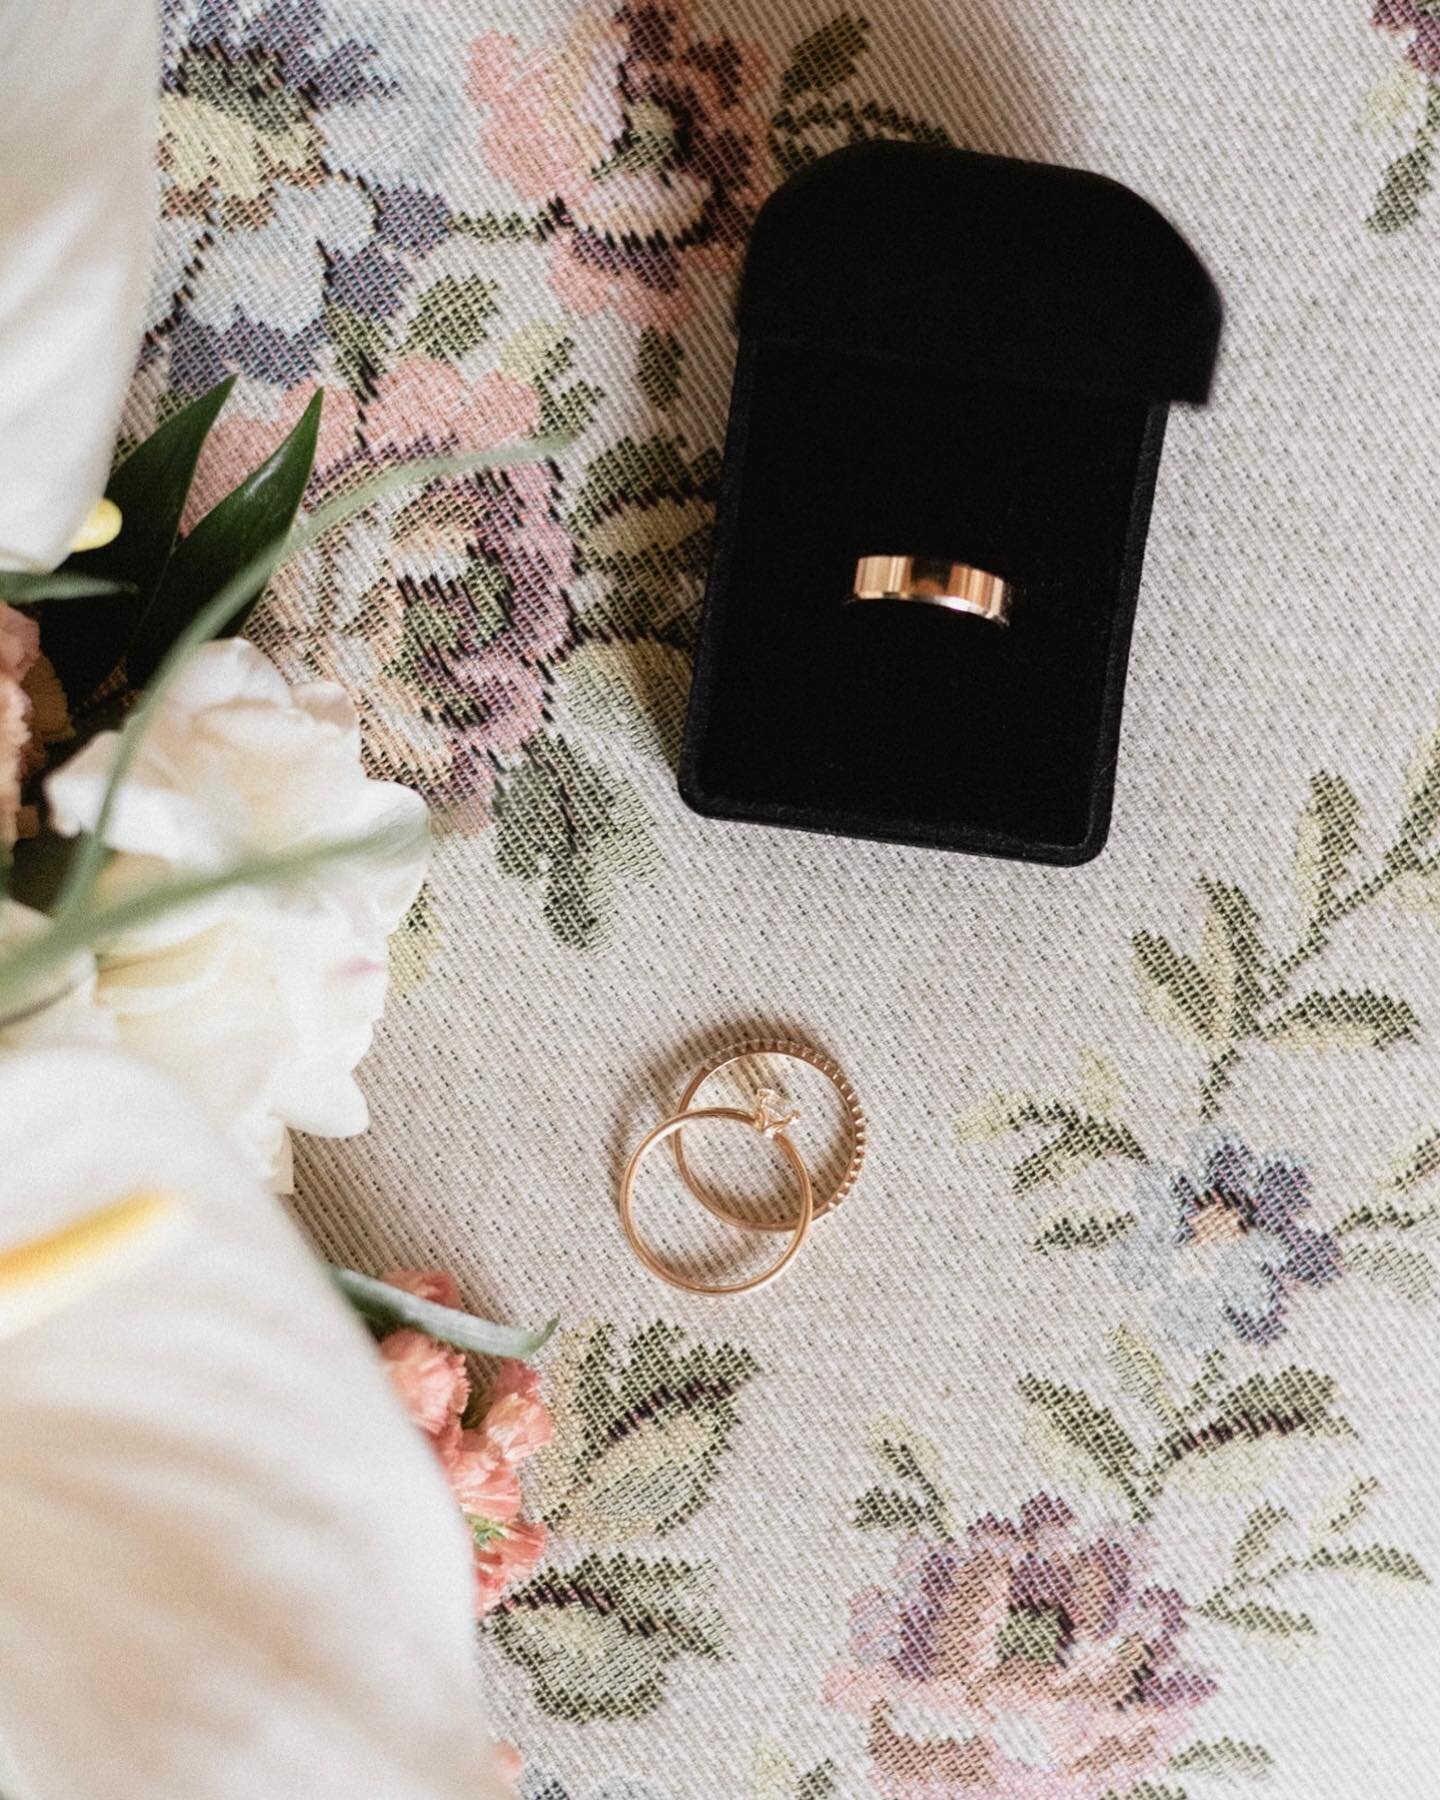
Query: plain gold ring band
x=761, y=1121
x=936, y=581
x=833, y=1073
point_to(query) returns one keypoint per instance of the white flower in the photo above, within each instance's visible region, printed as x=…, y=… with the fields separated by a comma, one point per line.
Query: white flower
x=230, y=1564
x=60, y=1008
x=262, y=1001
x=74, y=257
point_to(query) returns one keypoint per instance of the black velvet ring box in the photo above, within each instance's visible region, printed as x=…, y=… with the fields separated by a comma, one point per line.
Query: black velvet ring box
x=949, y=355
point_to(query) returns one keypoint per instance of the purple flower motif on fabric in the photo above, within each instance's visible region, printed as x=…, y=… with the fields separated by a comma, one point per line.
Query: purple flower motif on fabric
x=1418, y=16
x=1219, y=1244
x=1034, y=1655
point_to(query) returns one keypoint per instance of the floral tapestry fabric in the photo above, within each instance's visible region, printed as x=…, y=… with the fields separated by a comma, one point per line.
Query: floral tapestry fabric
x=1087, y=1451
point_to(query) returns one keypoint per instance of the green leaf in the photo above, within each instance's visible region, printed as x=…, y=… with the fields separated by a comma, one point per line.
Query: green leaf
x=638, y=1441
x=1253, y=1545
x=1173, y=989
x=597, y=1639
x=393, y=1307
x=1093, y=1430
x=1410, y=1272
x=1372, y=1559
x=1071, y=1229
x=658, y=369
x=1232, y=960
x=150, y=486
x=825, y=59
x=451, y=317
x=253, y=517
x=1140, y=1371
x=1328, y=837
x=21, y=588
x=1261, y=1620
x=1227, y=1759
x=579, y=832
x=1344, y=1021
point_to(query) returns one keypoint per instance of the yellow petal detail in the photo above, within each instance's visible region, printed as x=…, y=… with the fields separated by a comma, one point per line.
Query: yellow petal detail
x=102, y=525
x=47, y=1273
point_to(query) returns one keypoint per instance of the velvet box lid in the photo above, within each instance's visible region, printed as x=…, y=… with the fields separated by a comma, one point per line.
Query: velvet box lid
x=955, y=355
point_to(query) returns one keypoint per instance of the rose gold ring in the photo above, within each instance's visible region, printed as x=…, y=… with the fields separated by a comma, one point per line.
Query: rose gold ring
x=770, y=1122
x=935, y=580
x=831, y=1070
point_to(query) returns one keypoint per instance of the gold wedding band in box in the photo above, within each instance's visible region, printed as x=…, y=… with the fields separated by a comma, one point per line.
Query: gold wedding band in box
x=771, y=1119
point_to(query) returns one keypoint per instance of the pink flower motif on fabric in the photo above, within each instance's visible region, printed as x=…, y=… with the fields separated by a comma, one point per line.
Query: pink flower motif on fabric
x=1050, y=1671
x=643, y=139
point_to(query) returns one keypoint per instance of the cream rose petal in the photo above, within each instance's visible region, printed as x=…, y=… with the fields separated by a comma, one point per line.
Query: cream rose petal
x=229, y=1562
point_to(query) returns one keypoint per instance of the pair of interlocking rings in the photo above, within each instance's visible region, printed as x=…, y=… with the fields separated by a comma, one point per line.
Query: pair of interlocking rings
x=771, y=1119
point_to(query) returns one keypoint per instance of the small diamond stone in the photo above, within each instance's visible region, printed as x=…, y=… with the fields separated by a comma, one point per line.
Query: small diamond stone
x=771, y=1113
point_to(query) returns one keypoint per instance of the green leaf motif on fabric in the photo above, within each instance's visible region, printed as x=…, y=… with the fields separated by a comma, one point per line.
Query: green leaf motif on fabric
x=638, y=1440
x=1083, y=1133
x=658, y=367
x=1410, y=177
x=777, y=1776
x=1343, y=1021
x=1327, y=839
x=916, y=1461
x=1072, y=1229
x=1383, y=1560
x=638, y=688
x=1140, y=1371
x=452, y=317
x=1094, y=1433
x=1266, y=1621
x=826, y=58
x=1227, y=1759
x=361, y=346
x=597, y=1639
x=1410, y=1272
x=580, y=832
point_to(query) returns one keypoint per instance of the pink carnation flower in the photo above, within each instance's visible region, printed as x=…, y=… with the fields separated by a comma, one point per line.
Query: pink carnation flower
x=482, y=1464
x=19, y=652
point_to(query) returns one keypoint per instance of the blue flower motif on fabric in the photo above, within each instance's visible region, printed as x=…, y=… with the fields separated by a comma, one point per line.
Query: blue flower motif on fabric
x=1219, y=1243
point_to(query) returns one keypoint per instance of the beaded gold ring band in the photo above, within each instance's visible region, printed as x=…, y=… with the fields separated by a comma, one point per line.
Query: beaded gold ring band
x=833, y=1073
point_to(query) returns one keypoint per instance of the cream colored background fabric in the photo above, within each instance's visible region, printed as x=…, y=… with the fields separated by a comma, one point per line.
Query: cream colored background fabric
x=1286, y=627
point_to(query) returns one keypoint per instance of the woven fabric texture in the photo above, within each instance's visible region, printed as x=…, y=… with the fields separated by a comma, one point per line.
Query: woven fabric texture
x=1088, y=1450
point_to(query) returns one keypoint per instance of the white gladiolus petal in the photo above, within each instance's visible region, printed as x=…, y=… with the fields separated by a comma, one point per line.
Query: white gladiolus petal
x=58, y=1008
x=229, y=1561
x=76, y=206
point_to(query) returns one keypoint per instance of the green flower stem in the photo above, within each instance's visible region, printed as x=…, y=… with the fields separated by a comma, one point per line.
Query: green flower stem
x=390, y=1306
x=83, y=928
